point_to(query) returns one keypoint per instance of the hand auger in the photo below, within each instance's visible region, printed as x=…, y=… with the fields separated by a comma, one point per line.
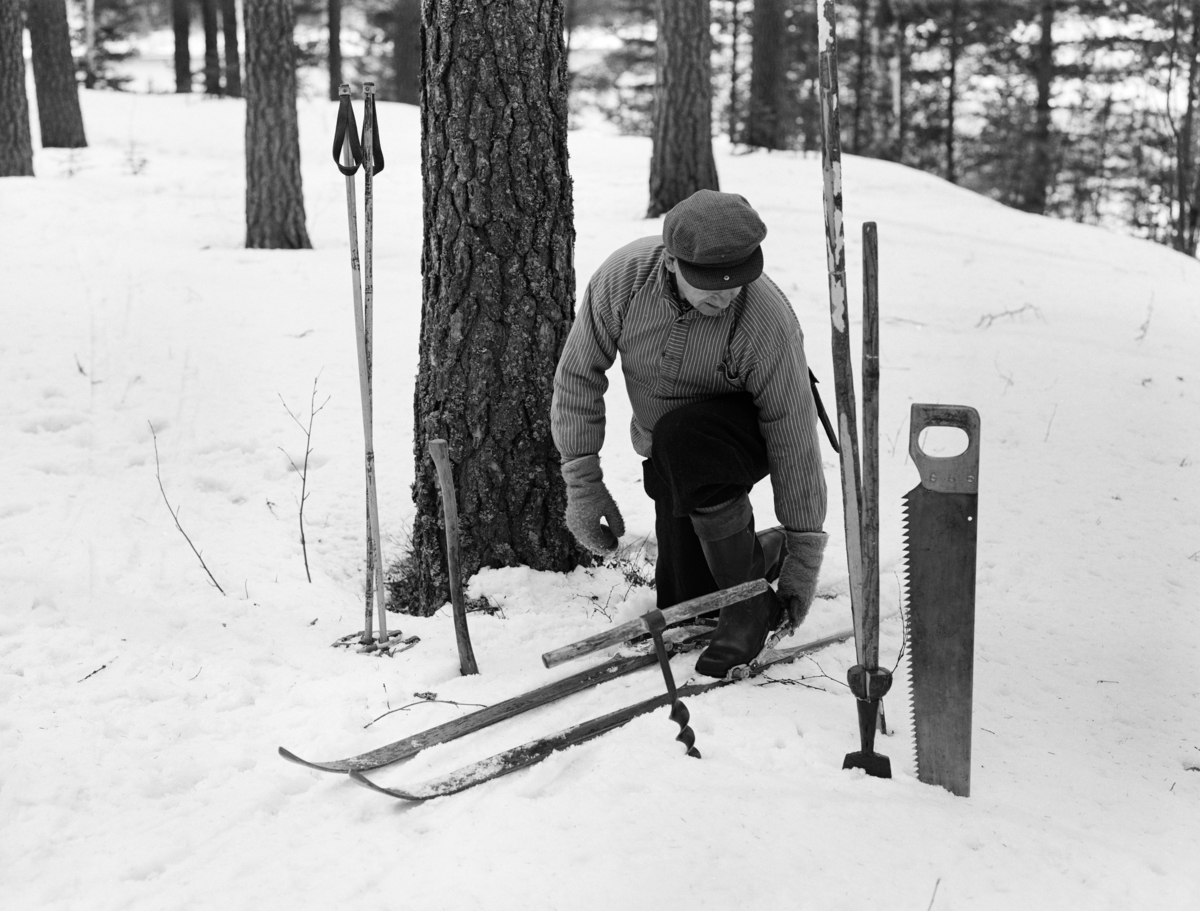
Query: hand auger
x=679, y=712
x=350, y=153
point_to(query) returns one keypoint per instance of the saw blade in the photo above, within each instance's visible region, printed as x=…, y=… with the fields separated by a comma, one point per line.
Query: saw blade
x=940, y=537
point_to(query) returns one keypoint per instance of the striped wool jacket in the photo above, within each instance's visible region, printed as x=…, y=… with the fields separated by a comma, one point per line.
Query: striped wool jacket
x=673, y=355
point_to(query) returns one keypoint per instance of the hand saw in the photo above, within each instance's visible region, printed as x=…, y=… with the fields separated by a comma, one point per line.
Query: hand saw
x=941, y=521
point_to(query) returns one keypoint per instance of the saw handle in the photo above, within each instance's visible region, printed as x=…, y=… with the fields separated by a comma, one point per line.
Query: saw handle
x=953, y=474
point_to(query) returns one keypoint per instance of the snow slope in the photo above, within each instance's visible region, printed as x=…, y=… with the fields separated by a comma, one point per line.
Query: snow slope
x=141, y=708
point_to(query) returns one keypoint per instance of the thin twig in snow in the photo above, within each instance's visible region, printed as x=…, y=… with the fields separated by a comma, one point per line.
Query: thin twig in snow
x=987, y=319
x=175, y=513
x=97, y=670
x=1050, y=423
x=303, y=472
x=424, y=702
x=935, y=888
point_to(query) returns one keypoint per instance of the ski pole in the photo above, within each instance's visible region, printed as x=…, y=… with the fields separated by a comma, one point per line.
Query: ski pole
x=346, y=145
x=372, y=164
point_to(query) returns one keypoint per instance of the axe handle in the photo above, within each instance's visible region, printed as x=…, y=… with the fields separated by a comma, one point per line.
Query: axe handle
x=677, y=614
x=869, y=650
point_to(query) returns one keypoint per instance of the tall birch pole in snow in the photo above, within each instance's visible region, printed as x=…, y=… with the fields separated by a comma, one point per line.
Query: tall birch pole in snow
x=843, y=369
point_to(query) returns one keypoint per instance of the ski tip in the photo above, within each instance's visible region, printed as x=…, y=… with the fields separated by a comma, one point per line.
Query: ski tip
x=290, y=756
x=317, y=766
x=359, y=778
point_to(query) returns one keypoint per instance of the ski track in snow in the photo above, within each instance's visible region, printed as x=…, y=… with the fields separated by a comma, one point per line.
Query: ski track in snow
x=141, y=708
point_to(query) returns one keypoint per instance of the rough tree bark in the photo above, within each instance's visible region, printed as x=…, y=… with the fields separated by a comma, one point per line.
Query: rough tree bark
x=765, y=124
x=274, y=193
x=212, y=47
x=16, y=146
x=59, y=116
x=181, y=19
x=682, y=158
x=233, y=53
x=498, y=288
x=335, y=48
x=1038, y=173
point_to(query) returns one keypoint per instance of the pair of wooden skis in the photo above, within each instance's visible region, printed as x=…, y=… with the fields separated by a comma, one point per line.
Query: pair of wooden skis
x=860, y=488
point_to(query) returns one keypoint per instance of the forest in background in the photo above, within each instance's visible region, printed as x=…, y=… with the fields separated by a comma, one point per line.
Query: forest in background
x=1077, y=110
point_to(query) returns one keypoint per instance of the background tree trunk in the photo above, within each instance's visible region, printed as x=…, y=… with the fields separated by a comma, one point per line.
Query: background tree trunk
x=16, y=146
x=735, y=74
x=765, y=126
x=212, y=48
x=54, y=76
x=862, y=114
x=1038, y=174
x=335, y=48
x=498, y=288
x=682, y=158
x=89, y=44
x=233, y=54
x=1187, y=170
x=406, y=51
x=952, y=48
x=274, y=193
x=181, y=19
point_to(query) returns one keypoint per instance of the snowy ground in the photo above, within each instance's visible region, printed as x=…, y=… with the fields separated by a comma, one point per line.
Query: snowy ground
x=142, y=708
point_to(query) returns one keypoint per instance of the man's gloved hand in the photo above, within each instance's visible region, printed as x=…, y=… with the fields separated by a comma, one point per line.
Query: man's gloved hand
x=798, y=574
x=588, y=501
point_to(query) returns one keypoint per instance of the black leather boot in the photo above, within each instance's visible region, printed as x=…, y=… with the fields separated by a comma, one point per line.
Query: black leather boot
x=740, y=635
x=742, y=628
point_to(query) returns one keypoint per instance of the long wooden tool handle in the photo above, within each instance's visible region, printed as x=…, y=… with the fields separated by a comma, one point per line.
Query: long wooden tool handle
x=843, y=368
x=677, y=614
x=870, y=448
x=441, y=460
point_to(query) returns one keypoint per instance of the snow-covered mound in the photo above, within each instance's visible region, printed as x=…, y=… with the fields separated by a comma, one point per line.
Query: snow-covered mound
x=141, y=708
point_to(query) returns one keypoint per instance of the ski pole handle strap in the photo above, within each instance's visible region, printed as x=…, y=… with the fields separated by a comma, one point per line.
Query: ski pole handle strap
x=347, y=129
x=376, y=148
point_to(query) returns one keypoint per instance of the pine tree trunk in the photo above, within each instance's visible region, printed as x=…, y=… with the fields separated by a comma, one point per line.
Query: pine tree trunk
x=54, y=76
x=181, y=19
x=952, y=91
x=406, y=51
x=1187, y=170
x=16, y=146
x=89, y=44
x=765, y=124
x=274, y=194
x=735, y=33
x=860, y=117
x=887, y=68
x=212, y=48
x=335, y=48
x=1038, y=174
x=682, y=158
x=233, y=54
x=498, y=288
x=899, y=67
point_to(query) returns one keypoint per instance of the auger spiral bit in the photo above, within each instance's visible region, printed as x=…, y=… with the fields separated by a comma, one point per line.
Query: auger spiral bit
x=679, y=712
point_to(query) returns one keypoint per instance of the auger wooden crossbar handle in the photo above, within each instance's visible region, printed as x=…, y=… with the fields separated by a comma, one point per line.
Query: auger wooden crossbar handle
x=677, y=614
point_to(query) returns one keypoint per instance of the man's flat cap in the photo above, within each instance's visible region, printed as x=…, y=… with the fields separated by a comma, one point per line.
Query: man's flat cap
x=715, y=236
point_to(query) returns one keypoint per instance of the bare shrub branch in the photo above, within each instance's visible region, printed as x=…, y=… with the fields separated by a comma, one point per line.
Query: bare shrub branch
x=313, y=411
x=175, y=513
